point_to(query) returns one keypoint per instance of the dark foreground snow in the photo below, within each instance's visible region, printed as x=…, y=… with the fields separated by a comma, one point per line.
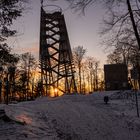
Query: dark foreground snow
x=71, y=117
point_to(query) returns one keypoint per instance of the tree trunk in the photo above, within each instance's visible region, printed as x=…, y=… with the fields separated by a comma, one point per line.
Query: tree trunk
x=133, y=23
x=91, y=82
x=80, y=77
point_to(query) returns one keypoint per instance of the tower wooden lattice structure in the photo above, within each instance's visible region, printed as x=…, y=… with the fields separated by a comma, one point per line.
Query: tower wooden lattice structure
x=57, y=69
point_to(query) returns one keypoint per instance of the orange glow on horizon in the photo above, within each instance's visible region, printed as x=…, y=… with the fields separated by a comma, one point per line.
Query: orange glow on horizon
x=55, y=92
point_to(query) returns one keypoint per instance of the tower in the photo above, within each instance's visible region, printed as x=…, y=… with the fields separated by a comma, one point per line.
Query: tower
x=57, y=69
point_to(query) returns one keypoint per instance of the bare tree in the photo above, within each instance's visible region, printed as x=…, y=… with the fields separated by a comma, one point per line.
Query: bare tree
x=121, y=15
x=83, y=73
x=28, y=63
x=114, y=58
x=96, y=74
x=90, y=61
x=121, y=24
x=93, y=68
x=78, y=54
x=123, y=52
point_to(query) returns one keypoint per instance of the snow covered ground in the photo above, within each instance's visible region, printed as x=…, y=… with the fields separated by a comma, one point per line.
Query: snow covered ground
x=72, y=117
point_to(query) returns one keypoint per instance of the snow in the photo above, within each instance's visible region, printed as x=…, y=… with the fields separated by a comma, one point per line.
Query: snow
x=73, y=117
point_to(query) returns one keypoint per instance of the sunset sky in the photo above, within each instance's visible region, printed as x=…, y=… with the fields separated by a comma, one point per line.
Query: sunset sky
x=82, y=29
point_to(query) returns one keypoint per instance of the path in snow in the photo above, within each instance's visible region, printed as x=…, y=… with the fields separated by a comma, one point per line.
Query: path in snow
x=70, y=117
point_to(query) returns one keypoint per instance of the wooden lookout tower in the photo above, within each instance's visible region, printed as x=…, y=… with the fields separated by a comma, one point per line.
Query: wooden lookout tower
x=57, y=69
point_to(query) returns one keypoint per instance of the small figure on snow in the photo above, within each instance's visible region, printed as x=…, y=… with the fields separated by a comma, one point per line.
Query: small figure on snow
x=106, y=99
